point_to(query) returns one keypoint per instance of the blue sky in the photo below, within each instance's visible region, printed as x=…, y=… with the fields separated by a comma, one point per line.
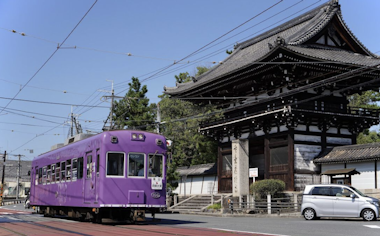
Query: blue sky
x=155, y=33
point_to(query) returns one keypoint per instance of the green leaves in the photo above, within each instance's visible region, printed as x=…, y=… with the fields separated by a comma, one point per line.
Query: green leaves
x=267, y=186
x=134, y=111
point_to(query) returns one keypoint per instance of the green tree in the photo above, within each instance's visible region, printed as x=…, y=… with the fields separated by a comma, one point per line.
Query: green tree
x=367, y=99
x=180, y=123
x=134, y=111
x=267, y=186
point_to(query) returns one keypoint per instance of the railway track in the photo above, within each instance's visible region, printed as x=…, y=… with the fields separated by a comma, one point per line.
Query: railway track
x=25, y=224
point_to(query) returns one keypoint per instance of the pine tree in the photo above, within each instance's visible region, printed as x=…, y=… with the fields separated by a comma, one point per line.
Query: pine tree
x=134, y=111
x=367, y=99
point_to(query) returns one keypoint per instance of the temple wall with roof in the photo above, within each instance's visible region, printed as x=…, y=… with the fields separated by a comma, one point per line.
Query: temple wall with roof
x=285, y=93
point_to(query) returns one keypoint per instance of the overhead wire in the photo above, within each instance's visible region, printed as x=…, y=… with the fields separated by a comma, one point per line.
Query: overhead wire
x=155, y=73
x=51, y=56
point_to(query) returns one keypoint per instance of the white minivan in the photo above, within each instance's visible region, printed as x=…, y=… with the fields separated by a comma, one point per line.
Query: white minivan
x=336, y=200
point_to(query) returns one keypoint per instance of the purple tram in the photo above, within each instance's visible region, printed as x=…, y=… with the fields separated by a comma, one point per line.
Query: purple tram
x=117, y=174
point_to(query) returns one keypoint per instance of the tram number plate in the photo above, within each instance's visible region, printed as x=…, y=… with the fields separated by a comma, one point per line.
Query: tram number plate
x=157, y=183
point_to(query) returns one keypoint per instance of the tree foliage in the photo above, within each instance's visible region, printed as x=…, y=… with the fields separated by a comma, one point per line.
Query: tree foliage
x=367, y=99
x=134, y=111
x=181, y=121
x=267, y=186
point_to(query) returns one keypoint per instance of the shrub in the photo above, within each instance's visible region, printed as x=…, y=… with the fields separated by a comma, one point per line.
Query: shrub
x=216, y=206
x=267, y=186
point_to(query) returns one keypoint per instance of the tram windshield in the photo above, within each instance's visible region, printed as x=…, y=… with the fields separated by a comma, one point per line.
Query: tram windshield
x=136, y=164
x=155, y=165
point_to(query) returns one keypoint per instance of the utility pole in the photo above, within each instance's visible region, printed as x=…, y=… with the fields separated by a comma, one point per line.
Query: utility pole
x=2, y=180
x=74, y=121
x=18, y=176
x=112, y=102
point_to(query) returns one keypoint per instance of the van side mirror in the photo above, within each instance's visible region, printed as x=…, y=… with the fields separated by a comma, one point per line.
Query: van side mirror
x=352, y=195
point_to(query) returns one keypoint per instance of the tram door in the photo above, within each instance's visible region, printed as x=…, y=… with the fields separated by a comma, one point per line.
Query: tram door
x=95, y=176
x=89, y=183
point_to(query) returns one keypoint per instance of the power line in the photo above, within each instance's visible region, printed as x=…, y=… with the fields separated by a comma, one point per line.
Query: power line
x=50, y=103
x=55, y=90
x=51, y=56
x=167, y=67
x=163, y=68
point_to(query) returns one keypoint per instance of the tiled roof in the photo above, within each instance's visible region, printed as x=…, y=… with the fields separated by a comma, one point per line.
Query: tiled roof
x=203, y=169
x=350, y=153
x=293, y=33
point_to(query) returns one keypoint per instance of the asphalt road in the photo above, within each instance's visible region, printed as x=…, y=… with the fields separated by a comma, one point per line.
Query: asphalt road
x=182, y=224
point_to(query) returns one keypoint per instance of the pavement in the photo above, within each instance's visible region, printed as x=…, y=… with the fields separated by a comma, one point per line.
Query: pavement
x=240, y=214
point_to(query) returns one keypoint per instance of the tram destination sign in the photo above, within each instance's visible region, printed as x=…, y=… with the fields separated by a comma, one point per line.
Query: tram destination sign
x=157, y=183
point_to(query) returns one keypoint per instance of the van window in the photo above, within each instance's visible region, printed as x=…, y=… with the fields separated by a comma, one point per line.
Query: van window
x=321, y=191
x=341, y=192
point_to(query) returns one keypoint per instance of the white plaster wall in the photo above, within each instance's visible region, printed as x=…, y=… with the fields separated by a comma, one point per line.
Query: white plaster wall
x=196, y=185
x=314, y=129
x=325, y=178
x=345, y=131
x=210, y=185
x=366, y=179
x=332, y=130
x=308, y=138
x=335, y=140
x=304, y=155
x=300, y=128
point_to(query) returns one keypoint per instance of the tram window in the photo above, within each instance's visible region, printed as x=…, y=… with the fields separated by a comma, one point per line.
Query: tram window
x=97, y=164
x=36, y=181
x=40, y=175
x=68, y=170
x=57, y=171
x=136, y=164
x=80, y=167
x=53, y=173
x=89, y=167
x=44, y=175
x=63, y=171
x=48, y=178
x=115, y=164
x=155, y=165
x=74, y=170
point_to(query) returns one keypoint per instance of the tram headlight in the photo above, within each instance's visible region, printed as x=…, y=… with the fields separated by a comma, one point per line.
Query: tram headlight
x=141, y=136
x=134, y=136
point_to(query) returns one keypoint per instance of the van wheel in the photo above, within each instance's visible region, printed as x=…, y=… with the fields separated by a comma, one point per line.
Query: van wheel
x=368, y=215
x=309, y=214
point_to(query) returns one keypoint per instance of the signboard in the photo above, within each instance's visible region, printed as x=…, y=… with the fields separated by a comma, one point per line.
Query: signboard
x=157, y=183
x=253, y=172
